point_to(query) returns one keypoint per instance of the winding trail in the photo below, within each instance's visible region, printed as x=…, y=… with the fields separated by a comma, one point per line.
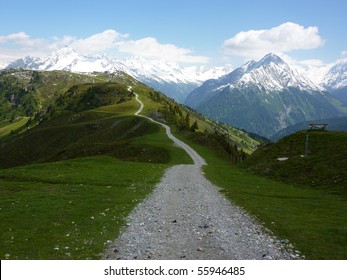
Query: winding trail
x=186, y=217
x=198, y=160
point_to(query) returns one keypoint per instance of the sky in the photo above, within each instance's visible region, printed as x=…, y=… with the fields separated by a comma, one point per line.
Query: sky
x=189, y=32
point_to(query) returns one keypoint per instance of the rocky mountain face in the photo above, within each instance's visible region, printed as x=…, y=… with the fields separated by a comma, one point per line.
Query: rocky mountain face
x=170, y=78
x=263, y=97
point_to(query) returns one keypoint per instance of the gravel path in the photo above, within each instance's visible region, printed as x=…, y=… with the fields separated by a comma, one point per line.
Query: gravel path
x=186, y=217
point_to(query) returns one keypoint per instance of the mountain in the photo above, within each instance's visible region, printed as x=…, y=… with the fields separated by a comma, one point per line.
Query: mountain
x=263, y=97
x=172, y=79
x=336, y=80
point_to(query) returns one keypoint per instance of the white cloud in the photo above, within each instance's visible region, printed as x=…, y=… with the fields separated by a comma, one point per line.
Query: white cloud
x=94, y=44
x=21, y=39
x=98, y=42
x=254, y=44
x=344, y=53
x=14, y=37
x=20, y=44
x=151, y=48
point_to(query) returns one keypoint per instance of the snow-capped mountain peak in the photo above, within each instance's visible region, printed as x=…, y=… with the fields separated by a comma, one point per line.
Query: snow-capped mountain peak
x=271, y=73
x=336, y=77
x=64, y=52
x=60, y=60
x=270, y=58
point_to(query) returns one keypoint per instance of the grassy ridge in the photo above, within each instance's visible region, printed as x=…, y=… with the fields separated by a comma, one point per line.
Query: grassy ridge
x=110, y=130
x=29, y=93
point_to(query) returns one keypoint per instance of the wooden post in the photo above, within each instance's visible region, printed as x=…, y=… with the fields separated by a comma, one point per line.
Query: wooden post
x=306, y=144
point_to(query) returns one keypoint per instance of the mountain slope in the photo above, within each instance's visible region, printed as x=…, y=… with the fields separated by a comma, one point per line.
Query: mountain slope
x=263, y=97
x=168, y=77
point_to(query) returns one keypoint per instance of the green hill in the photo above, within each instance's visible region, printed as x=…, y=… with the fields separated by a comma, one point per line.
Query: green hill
x=323, y=168
x=28, y=93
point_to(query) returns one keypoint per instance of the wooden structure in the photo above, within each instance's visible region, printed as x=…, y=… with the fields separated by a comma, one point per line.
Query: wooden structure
x=318, y=126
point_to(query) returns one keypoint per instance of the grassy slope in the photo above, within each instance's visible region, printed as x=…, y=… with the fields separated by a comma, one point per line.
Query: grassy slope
x=324, y=168
x=70, y=209
x=6, y=130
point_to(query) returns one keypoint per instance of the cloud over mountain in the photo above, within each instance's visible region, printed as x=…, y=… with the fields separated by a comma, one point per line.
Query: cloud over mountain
x=20, y=44
x=286, y=37
x=150, y=47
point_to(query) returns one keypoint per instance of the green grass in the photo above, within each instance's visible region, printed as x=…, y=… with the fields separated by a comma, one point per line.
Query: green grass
x=69, y=209
x=6, y=130
x=314, y=220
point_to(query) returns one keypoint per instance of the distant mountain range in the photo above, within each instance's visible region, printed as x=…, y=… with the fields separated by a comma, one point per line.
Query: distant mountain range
x=170, y=78
x=264, y=97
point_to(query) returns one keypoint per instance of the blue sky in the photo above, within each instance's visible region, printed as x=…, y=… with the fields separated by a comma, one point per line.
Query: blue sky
x=188, y=31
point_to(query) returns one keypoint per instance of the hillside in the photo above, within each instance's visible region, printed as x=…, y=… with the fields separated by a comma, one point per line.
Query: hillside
x=65, y=122
x=324, y=167
x=80, y=124
x=27, y=93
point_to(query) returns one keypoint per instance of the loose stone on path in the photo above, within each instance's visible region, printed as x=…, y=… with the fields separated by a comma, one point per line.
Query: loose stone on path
x=186, y=217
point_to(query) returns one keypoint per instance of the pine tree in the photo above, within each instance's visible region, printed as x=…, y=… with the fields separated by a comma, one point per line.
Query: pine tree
x=187, y=121
x=194, y=127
